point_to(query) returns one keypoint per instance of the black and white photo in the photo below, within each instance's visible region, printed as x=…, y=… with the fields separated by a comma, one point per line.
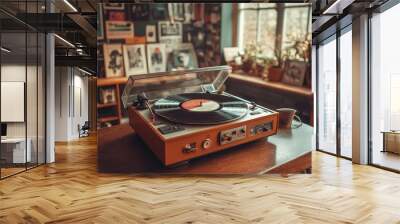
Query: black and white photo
x=113, y=60
x=135, y=59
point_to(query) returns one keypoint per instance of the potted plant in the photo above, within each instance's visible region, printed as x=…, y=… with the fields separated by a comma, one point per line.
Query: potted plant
x=300, y=50
x=252, y=62
x=275, y=69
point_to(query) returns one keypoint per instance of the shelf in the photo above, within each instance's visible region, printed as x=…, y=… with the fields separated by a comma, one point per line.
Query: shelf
x=279, y=86
x=107, y=119
x=106, y=105
x=111, y=81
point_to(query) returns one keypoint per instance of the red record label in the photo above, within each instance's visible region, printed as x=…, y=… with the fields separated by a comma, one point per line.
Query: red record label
x=200, y=105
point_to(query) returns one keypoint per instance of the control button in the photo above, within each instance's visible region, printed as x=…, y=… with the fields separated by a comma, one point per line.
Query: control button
x=206, y=143
x=189, y=148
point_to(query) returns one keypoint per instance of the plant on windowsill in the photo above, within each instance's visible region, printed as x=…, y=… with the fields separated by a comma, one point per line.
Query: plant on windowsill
x=275, y=66
x=300, y=50
x=252, y=62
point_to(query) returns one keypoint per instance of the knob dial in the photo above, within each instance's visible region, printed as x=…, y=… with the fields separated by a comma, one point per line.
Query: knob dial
x=206, y=143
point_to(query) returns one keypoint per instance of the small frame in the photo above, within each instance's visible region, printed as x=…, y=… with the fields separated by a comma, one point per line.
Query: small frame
x=107, y=95
x=140, y=12
x=135, y=59
x=189, y=15
x=114, y=6
x=151, y=33
x=159, y=11
x=116, y=15
x=294, y=72
x=230, y=53
x=167, y=29
x=119, y=29
x=113, y=60
x=182, y=58
x=177, y=11
x=156, y=58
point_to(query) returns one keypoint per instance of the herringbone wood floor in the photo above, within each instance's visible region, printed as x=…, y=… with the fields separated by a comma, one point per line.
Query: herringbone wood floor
x=71, y=191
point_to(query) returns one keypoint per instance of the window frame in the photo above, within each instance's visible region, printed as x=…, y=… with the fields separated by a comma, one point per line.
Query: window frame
x=280, y=22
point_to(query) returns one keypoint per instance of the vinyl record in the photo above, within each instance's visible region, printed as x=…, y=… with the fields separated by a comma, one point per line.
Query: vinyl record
x=200, y=108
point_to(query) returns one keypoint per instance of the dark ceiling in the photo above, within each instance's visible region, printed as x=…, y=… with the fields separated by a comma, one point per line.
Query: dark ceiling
x=330, y=15
x=76, y=26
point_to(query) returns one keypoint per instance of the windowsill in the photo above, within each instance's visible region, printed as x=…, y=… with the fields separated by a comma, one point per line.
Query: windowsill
x=277, y=86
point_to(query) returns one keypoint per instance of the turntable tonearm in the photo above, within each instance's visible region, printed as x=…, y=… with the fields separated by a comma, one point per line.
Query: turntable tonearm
x=183, y=115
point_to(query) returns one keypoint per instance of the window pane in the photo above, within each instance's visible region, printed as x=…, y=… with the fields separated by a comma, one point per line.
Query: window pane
x=267, y=30
x=346, y=94
x=385, y=87
x=267, y=5
x=248, y=5
x=248, y=27
x=327, y=97
x=296, y=25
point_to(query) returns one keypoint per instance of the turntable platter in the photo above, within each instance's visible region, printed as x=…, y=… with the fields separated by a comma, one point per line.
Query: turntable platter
x=200, y=108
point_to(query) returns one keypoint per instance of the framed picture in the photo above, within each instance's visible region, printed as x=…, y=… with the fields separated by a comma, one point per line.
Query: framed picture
x=167, y=29
x=107, y=95
x=230, y=53
x=140, y=12
x=188, y=12
x=294, y=72
x=151, y=35
x=100, y=24
x=116, y=15
x=114, y=6
x=119, y=29
x=135, y=59
x=113, y=60
x=182, y=58
x=156, y=58
x=176, y=11
x=159, y=11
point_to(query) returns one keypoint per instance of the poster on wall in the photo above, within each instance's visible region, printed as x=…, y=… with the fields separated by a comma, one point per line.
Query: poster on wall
x=176, y=11
x=116, y=16
x=113, y=60
x=140, y=12
x=151, y=35
x=170, y=34
x=156, y=58
x=119, y=29
x=182, y=58
x=135, y=59
x=168, y=29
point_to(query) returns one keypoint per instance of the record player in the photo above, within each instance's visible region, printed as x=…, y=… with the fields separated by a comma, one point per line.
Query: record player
x=183, y=115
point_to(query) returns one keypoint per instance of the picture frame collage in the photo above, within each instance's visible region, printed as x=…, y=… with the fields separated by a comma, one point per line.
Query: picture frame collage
x=145, y=38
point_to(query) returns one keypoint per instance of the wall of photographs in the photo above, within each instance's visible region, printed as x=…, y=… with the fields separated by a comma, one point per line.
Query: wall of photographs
x=137, y=39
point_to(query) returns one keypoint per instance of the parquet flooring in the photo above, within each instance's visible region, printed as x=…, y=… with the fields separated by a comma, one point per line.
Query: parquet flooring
x=71, y=191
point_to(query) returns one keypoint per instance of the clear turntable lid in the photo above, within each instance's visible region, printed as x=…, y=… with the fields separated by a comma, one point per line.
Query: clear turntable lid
x=155, y=86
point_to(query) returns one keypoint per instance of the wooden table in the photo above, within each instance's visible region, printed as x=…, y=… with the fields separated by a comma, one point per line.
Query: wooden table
x=120, y=150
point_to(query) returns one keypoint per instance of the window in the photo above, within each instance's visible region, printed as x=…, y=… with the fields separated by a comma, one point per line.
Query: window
x=346, y=94
x=385, y=86
x=267, y=24
x=327, y=96
x=296, y=24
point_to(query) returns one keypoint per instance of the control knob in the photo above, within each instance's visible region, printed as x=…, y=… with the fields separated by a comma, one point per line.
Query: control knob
x=206, y=143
